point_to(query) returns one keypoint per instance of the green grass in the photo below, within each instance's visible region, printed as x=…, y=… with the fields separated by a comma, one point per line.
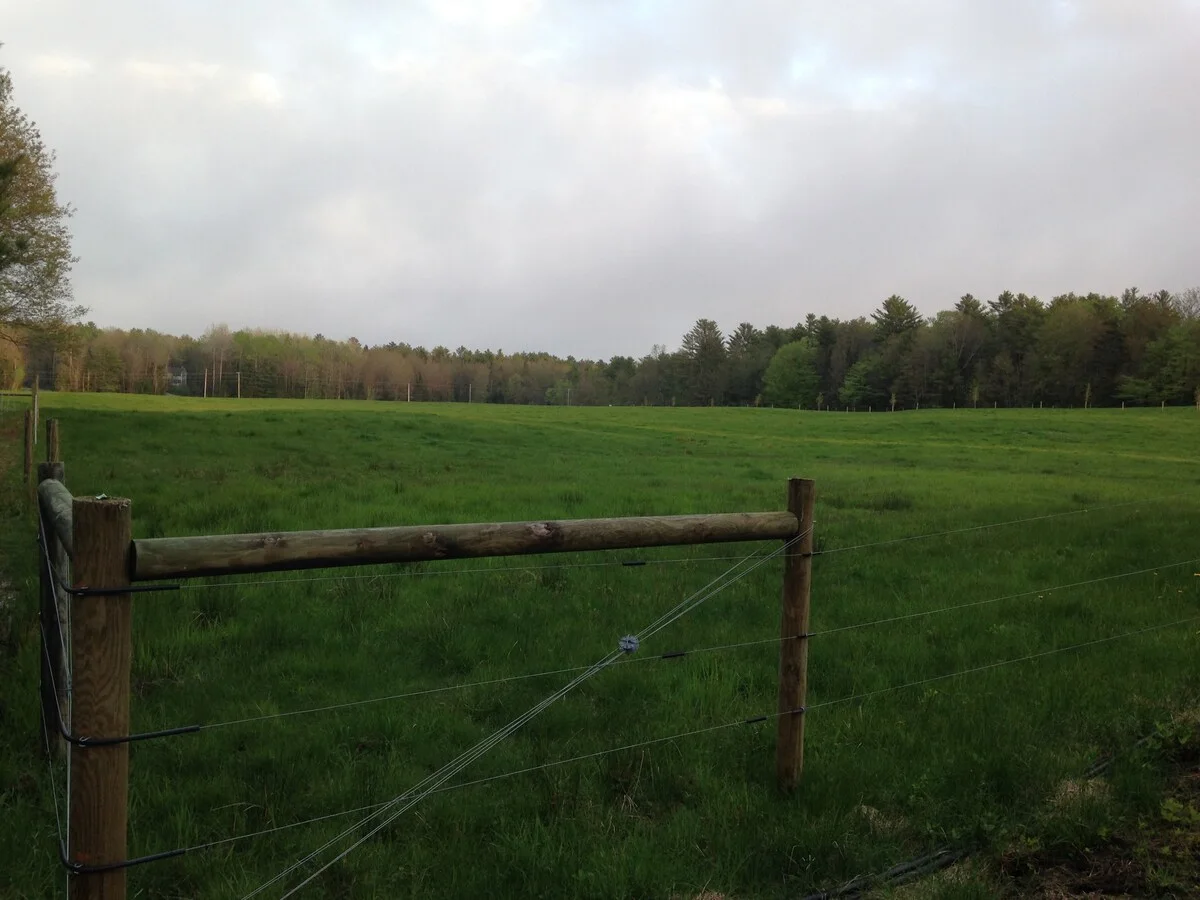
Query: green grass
x=971, y=760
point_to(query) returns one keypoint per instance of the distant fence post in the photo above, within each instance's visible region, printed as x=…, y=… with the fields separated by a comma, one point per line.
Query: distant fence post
x=52, y=569
x=28, y=447
x=793, y=631
x=101, y=650
x=52, y=449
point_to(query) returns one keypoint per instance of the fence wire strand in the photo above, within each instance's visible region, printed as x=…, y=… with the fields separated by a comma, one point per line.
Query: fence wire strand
x=402, y=803
x=754, y=720
x=632, y=563
x=959, y=606
x=1005, y=662
x=64, y=717
x=54, y=785
x=440, y=781
x=697, y=598
x=466, y=570
x=971, y=528
x=693, y=651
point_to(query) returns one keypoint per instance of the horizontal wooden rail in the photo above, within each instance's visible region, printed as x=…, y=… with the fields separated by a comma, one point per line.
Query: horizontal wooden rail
x=56, y=503
x=193, y=557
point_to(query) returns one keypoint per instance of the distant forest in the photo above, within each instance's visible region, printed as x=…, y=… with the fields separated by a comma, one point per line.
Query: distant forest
x=1076, y=350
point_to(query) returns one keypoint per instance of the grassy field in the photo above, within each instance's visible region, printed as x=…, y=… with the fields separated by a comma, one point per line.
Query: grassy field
x=979, y=760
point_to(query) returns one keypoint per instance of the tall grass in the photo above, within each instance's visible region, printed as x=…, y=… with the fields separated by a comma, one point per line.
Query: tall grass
x=975, y=760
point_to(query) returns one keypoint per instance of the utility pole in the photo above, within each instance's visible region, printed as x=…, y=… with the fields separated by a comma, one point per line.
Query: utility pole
x=206, y=383
x=568, y=396
x=239, y=374
x=470, y=392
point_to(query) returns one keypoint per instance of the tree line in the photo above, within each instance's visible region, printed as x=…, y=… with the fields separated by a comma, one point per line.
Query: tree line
x=1015, y=350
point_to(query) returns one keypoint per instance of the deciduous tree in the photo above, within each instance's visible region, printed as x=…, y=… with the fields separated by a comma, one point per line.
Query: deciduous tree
x=791, y=378
x=35, y=242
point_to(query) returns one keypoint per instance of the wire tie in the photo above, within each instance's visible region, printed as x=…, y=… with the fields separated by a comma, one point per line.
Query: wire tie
x=628, y=644
x=79, y=868
x=85, y=591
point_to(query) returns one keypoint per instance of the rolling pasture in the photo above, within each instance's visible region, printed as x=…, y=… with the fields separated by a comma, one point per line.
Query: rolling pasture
x=974, y=760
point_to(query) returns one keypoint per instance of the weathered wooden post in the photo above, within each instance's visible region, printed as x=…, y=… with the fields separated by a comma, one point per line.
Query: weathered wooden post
x=53, y=614
x=101, y=649
x=53, y=453
x=28, y=470
x=793, y=633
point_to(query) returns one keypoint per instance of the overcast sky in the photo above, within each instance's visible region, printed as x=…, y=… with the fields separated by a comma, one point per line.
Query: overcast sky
x=591, y=176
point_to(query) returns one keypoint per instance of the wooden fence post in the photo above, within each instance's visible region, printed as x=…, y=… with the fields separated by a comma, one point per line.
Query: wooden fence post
x=54, y=622
x=52, y=449
x=28, y=446
x=36, y=410
x=101, y=650
x=793, y=630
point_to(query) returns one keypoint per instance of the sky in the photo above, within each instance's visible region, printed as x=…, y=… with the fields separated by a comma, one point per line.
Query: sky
x=589, y=177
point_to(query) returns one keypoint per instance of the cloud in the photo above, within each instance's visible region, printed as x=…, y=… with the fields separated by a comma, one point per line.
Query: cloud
x=53, y=66
x=591, y=178
x=187, y=77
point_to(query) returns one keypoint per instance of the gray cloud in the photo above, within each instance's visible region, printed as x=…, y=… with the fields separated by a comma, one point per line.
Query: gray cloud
x=589, y=178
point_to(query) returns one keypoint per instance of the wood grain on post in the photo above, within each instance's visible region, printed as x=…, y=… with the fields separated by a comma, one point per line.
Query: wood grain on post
x=191, y=557
x=793, y=631
x=28, y=470
x=53, y=453
x=57, y=502
x=52, y=616
x=100, y=704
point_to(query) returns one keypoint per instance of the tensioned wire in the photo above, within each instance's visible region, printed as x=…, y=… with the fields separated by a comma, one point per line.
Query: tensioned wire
x=740, y=644
x=405, y=801
x=567, y=670
x=390, y=811
x=676, y=654
x=695, y=651
x=53, y=780
x=707, y=730
x=64, y=641
x=668, y=617
x=497, y=570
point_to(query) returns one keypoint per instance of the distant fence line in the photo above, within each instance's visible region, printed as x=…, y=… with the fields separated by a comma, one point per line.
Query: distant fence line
x=236, y=385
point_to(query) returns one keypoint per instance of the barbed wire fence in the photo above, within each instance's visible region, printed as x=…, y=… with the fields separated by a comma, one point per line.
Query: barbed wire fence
x=375, y=817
